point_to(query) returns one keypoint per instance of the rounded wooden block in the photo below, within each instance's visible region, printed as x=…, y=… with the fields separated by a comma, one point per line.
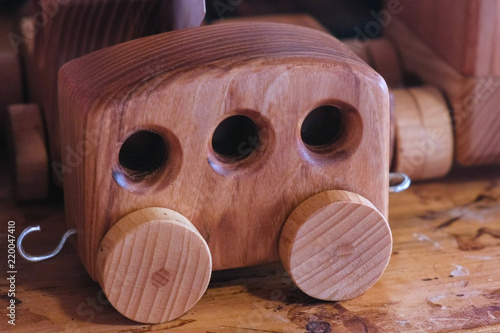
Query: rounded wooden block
x=335, y=245
x=30, y=159
x=153, y=265
x=424, y=133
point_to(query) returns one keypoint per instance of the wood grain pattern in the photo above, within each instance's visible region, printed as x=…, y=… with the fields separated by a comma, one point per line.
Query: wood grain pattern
x=272, y=74
x=168, y=257
x=382, y=55
x=335, y=245
x=78, y=27
x=474, y=101
x=10, y=69
x=466, y=34
x=27, y=140
x=424, y=133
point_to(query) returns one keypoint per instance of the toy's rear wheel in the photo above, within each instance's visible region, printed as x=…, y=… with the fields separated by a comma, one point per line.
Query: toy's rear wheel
x=335, y=245
x=153, y=265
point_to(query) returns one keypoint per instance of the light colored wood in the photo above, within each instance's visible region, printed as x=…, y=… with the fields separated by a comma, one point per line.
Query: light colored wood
x=424, y=133
x=381, y=54
x=29, y=160
x=392, y=130
x=275, y=75
x=474, y=101
x=335, y=245
x=73, y=32
x=303, y=20
x=466, y=34
x=168, y=257
x=415, y=294
x=10, y=69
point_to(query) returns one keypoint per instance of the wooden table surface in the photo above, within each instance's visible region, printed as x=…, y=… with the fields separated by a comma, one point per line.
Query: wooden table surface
x=443, y=276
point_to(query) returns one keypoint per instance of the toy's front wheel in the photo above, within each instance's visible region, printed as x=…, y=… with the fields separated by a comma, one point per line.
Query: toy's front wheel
x=153, y=265
x=335, y=245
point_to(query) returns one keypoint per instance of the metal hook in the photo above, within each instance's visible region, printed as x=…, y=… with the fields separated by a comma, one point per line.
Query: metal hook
x=402, y=182
x=29, y=257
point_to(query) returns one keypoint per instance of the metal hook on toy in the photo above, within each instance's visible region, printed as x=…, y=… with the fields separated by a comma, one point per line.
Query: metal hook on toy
x=402, y=182
x=29, y=257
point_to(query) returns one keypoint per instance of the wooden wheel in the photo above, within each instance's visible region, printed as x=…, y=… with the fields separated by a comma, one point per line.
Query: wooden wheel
x=153, y=265
x=30, y=158
x=424, y=133
x=335, y=245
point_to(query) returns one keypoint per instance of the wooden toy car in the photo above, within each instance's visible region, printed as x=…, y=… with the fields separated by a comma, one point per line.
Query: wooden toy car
x=247, y=143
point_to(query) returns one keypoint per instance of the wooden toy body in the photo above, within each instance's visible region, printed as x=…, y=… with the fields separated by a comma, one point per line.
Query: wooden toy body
x=208, y=155
x=201, y=77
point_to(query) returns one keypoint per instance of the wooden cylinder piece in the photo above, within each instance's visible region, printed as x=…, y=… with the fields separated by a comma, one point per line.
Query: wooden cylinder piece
x=153, y=265
x=335, y=245
x=424, y=133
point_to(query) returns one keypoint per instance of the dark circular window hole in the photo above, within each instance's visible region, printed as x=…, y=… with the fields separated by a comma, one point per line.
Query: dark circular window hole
x=142, y=154
x=322, y=127
x=235, y=138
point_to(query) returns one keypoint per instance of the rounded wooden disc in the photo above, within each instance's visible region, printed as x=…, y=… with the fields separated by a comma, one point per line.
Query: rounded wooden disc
x=424, y=133
x=335, y=245
x=153, y=265
x=30, y=158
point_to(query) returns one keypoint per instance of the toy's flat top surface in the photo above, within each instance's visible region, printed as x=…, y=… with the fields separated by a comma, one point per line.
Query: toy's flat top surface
x=443, y=275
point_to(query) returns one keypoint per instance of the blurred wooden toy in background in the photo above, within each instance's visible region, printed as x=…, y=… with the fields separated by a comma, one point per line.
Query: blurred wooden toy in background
x=455, y=46
x=271, y=142
x=452, y=47
x=11, y=87
x=52, y=34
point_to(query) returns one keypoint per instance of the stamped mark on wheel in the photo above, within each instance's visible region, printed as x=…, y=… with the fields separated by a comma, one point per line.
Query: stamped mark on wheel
x=344, y=250
x=160, y=278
